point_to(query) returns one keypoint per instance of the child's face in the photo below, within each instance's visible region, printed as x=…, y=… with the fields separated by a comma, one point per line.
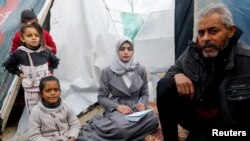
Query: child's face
x=31, y=37
x=51, y=92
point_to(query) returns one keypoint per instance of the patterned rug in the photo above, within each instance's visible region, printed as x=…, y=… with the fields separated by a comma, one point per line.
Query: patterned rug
x=157, y=136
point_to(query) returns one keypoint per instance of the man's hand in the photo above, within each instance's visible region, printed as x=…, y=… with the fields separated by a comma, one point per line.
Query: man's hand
x=184, y=85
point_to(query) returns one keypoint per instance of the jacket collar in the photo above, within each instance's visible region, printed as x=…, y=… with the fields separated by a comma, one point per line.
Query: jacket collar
x=119, y=84
x=232, y=48
x=29, y=50
x=50, y=110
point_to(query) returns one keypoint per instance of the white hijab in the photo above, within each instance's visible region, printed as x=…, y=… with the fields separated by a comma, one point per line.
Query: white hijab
x=118, y=66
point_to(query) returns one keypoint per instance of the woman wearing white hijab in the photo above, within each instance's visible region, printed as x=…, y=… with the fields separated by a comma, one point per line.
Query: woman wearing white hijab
x=123, y=91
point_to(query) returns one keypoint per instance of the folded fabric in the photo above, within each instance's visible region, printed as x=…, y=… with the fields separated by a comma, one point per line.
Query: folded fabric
x=137, y=115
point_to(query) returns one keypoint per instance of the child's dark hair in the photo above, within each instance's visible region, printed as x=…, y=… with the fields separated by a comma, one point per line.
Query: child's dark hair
x=46, y=79
x=37, y=26
x=28, y=15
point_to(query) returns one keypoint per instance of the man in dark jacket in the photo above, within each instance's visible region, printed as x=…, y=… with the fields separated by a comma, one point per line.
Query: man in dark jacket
x=208, y=87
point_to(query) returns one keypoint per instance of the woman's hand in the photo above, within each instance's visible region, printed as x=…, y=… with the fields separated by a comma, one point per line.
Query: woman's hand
x=124, y=109
x=140, y=106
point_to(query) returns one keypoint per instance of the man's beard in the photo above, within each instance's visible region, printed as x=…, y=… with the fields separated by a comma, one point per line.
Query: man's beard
x=210, y=55
x=214, y=46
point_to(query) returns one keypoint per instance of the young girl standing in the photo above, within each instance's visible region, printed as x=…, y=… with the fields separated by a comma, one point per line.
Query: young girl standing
x=29, y=16
x=30, y=62
x=51, y=119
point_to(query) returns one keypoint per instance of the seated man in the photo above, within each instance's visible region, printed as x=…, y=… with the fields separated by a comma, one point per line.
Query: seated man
x=208, y=86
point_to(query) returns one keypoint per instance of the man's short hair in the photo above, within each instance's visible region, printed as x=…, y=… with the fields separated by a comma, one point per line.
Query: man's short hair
x=220, y=8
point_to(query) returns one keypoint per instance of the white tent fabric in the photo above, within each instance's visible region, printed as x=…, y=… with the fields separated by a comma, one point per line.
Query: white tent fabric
x=139, y=6
x=85, y=36
x=154, y=44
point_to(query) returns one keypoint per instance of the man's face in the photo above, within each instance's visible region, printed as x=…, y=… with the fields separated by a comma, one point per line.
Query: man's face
x=213, y=35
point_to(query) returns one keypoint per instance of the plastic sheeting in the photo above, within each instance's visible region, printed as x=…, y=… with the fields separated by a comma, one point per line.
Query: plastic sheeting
x=138, y=6
x=85, y=34
x=184, y=21
x=9, y=22
x=151, y=25
x=154, y=44
x=241, y=11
